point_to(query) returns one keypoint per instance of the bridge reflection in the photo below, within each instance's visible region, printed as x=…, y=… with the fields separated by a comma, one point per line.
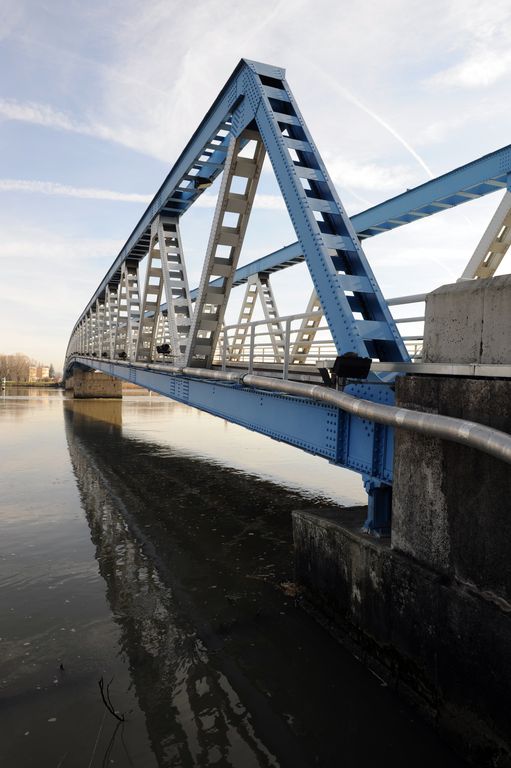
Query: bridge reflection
x=197, y=562
x=193, y=714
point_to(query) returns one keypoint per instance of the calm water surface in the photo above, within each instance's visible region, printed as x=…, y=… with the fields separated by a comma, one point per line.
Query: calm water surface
x=149, y=545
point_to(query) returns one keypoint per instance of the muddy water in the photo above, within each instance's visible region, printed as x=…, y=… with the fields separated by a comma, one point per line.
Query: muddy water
x=150, y=547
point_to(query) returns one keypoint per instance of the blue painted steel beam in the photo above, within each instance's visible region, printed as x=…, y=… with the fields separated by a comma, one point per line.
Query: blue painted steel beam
x=321, y=430
x=227, y=102
x=481, y=177
x=355, y=309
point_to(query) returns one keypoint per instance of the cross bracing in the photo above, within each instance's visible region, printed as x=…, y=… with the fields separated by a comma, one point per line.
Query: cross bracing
x=163, y=322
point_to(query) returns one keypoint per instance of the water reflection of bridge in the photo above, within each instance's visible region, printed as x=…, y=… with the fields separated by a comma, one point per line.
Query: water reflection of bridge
x=226, y=669
x=193, y=715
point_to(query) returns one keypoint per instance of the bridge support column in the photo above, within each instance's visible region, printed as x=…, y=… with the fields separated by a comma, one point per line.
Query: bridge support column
x=93, y=385
x=431, y=609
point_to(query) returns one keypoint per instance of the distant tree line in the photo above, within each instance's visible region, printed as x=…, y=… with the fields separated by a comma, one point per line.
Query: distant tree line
x=17, y=367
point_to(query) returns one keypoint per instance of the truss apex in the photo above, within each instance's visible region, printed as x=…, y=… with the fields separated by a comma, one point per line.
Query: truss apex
x=260, y=68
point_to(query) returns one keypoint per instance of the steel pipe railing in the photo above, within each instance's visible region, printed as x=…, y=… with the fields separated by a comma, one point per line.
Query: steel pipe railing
x=469, y=433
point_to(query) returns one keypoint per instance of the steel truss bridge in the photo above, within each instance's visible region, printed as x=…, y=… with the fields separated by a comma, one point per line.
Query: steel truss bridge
x=146, y=326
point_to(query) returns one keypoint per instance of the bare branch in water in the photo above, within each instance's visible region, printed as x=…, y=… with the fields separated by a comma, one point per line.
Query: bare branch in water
x=106, y=699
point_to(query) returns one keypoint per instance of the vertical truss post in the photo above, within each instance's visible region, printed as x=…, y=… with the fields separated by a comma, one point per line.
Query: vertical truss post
x=258, y=286
x=175, y=281
x=113, y=307
x=162, y=329
x=100, y=331
x=245, y=316
x=287, y=351
x=166, y=271
x=88, y=331
x=92, y=330
x=128, y=320
x=151, y=302
x=275, y=330
x=120, y=336
x=226, y=239
x=307, y=331
x=493, y=245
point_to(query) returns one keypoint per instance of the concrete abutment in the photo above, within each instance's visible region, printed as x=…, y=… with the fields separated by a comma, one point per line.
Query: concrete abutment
x=431, y=607
x=93, y=384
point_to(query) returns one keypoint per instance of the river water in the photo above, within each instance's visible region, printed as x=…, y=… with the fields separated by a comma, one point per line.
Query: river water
x=148, y=546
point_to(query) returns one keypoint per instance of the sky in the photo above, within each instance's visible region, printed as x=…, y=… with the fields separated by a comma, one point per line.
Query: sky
x=98, y=99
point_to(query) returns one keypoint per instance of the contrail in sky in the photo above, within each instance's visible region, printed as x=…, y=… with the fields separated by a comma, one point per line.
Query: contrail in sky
x=350, y=97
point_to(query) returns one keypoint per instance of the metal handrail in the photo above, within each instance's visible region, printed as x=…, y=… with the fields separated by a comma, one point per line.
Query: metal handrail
x=252, y=350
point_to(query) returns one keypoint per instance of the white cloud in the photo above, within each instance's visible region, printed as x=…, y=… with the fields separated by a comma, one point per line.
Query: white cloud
x=49, y=247
x=45, y=115
x=483, y=68
x=483, y=45
x=64, y=190
x=262, y=201
x=369, y=176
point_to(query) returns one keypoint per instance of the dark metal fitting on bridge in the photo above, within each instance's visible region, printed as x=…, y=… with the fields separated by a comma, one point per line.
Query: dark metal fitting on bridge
x=202, y=182
x=351, y=366
x=347, y=366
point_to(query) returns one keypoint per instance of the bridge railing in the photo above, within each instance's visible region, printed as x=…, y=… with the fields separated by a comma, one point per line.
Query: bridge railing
x=282, y=342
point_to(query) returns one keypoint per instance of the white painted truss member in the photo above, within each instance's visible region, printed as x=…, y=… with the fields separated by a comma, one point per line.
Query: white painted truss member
x=242, y=168
x=258, y=286
x=166, y=274
x=493, y=245
x=128, y=317
x=151, y=302
x=111, y=307
x=307, y=331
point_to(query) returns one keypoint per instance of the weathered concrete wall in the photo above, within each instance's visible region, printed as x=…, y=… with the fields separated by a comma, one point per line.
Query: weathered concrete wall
x=469, y=322
x=433, y=606
x=440, y=643
x=94, y=384
x=452, y=504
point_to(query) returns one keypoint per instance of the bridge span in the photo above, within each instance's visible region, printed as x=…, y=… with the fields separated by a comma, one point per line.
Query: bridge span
x=342, y=379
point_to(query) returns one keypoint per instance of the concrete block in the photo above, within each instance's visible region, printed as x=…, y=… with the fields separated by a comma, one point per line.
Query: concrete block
x=496, y=337
x=452, y=504
x=454, y=320
x=469, y=322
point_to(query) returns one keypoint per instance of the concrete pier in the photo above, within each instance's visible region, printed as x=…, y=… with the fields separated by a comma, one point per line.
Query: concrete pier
x=93, y=384
x=440, y=642
x=430, y=608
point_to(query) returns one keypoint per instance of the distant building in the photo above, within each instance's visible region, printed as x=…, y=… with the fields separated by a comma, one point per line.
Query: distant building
x=44, y=372
x=32, y=373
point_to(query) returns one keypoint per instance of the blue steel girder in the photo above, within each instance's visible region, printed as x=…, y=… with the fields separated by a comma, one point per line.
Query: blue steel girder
x=204, y=155
x=339, y=270
x=318, y=429
x=483, y=176
x=337, y=264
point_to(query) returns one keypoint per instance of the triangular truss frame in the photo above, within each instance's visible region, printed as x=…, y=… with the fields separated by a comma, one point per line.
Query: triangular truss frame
x=255, y=108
